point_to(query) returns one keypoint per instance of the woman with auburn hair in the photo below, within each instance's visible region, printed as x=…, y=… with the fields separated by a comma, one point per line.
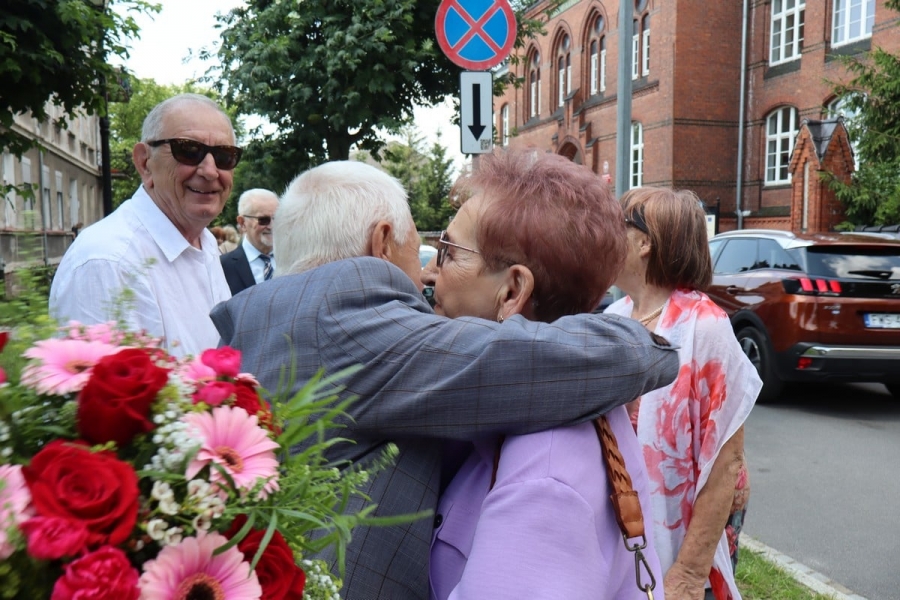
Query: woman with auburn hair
x=692, y=431
x=530, y=516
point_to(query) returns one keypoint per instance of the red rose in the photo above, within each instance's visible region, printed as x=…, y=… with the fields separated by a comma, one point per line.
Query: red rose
x=50, y=538
x=214, y=393
x=115, y=403
x=279, y=575
x=247, y=397
x=69, y=481
x=102, y=575
x=225, y=361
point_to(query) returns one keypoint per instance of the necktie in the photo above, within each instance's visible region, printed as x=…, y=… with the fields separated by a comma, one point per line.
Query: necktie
x=268, y=269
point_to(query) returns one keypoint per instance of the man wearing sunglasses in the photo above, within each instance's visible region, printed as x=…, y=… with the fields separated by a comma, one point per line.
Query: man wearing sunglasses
x=252, y=261
x=153, y=262
x=349, y=293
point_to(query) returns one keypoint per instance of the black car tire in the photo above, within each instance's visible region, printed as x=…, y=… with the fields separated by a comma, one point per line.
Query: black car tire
x=756, y=347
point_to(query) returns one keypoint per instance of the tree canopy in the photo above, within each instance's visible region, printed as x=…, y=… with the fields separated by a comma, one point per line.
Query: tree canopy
x=52, y=51
x=873, y=196
x=330, y=75
x=426, y=176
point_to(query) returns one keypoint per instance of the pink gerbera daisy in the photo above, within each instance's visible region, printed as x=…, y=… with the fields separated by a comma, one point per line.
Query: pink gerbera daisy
x=189, y=570
x=60, y=367
x=15, y=502
x=233, y=439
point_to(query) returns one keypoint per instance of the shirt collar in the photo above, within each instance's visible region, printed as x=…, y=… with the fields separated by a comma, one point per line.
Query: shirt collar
x=162, y=230
x=250, y=250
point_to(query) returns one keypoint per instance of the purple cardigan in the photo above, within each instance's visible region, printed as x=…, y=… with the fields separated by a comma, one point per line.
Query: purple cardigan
x=547, y=529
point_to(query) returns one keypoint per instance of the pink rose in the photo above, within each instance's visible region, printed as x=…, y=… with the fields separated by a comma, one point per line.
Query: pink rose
x=225, y=361
x=214, y=393
x=50, y=538
x=102, y=575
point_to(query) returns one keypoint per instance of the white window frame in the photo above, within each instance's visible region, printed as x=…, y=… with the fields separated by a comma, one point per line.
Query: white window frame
x=533, y=108
x=635, y=51
x=787, y=22
x=636, y=171
x=561, y=83
x=842, y=31
x=645, y=35
x=73, y=201
x=568, y=73
x=780, y=144
x=504, y=125
x=595, y=67
x=603, y=65
x=60, y=201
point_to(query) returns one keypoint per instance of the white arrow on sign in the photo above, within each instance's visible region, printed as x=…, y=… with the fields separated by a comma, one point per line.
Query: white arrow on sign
x=476, y=111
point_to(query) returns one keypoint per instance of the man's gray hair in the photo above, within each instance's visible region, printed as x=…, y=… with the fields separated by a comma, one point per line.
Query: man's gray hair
x=329, y=212
x=245, y=202
x=153, y=124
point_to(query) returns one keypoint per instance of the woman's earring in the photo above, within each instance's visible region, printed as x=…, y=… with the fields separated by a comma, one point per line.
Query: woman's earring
x=500, y=317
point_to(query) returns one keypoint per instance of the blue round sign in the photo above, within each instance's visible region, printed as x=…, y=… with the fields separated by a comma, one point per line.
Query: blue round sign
x=476, y=34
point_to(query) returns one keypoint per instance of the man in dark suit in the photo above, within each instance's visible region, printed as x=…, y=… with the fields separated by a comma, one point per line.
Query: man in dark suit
x=425, y=378
x=252, y=261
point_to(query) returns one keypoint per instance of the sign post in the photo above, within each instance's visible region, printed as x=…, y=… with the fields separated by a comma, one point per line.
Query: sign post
x=476, y=35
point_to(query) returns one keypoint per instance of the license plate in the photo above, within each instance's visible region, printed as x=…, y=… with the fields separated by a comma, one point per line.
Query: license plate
x=882, y=320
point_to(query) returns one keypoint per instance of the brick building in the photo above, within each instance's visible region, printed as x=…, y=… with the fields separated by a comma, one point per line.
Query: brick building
x=686, y=97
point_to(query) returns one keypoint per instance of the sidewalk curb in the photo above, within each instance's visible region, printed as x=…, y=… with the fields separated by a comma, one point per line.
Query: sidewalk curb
x=804, y=575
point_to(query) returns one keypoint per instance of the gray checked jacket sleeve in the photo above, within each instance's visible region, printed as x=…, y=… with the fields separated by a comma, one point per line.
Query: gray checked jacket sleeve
x=428, y=376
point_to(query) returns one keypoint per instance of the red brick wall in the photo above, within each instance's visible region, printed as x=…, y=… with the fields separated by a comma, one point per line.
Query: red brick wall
x=689, y=104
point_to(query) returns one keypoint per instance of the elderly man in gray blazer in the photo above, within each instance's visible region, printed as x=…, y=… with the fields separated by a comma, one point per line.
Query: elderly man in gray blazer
x=346, y=293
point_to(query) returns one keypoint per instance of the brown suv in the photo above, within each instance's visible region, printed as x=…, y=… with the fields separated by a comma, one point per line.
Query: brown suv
x=812, y=307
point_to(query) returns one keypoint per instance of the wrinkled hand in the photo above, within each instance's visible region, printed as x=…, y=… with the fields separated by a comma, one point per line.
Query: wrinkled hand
x=682, y=584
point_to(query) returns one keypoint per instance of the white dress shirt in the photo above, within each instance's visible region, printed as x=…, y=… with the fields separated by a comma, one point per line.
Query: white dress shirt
x=257, y=265
x=171, y=285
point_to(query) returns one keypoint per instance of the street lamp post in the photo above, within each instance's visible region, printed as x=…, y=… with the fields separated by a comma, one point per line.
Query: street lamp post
x=105, y=169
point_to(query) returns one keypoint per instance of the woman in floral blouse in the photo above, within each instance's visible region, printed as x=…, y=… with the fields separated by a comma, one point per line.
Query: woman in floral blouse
x=691, y=431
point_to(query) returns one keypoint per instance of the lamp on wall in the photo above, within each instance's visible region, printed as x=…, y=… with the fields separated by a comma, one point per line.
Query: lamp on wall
x=106, y=172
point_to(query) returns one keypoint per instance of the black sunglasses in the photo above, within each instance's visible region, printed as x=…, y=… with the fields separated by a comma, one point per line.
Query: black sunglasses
x=263, y=221
x=192, y=153
x=636, y=220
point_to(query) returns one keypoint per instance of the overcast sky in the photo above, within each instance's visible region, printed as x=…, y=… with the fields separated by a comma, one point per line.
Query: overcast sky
x=171, y=40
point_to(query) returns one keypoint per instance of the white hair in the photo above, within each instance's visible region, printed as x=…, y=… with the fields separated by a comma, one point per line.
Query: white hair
x=245, y=202
x=329, y=212
x=153, y=124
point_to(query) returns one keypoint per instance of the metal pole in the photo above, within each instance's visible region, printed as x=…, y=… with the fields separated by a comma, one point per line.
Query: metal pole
x=623, y=99
x=740, y=153
x=105, y=167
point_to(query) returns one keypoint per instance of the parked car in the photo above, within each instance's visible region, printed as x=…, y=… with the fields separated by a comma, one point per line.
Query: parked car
x=812, y=307
x=426, y=253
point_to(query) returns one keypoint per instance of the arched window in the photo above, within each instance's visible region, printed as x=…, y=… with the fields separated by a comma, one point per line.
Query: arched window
x=786, y=39
x=852, y=20
x=504, y=125
x=637, y=154
x=597, y=63
x=534, y=86
x=564, y=70
x=781, y=131
x=640, y=40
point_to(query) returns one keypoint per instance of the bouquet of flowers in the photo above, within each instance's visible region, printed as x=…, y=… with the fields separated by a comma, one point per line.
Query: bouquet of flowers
x=126, y=473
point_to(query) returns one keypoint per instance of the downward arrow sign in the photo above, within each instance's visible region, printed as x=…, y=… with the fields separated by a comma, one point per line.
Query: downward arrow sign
x=476, y=127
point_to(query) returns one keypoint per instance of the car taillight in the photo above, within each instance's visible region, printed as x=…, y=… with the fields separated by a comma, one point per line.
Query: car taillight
x=810, y=286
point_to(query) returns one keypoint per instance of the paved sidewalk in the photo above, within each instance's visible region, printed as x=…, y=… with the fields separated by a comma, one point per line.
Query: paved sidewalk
x=815, y=581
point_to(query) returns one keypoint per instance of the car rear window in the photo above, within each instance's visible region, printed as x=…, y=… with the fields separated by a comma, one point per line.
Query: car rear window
x=881, y=263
